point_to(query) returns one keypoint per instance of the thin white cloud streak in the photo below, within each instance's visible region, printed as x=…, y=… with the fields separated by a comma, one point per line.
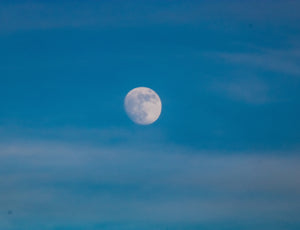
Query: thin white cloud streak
x=282, y=61
x=60, y=182
x=248, y=82
x=247, y=89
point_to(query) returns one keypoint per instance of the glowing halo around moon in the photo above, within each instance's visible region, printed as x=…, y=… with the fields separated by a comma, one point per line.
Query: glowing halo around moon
x=142, y=105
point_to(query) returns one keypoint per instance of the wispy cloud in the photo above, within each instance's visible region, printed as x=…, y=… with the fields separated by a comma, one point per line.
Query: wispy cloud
x=251, y=81
x=62, y=182
x=247, y=89
x=283, y=61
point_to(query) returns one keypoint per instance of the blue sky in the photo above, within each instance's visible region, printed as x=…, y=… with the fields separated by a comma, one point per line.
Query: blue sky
x=223, y=155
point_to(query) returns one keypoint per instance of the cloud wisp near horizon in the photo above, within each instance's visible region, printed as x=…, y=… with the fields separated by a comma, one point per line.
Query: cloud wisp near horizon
x=79, y=183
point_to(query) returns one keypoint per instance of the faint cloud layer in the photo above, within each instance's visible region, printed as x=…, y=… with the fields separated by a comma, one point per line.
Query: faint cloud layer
x=283, y=61
x=60, y=182
x=40, y=15
x=247, y=89
x=251, y=85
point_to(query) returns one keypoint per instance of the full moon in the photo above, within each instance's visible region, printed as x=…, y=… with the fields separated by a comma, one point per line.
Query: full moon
x=142, y=105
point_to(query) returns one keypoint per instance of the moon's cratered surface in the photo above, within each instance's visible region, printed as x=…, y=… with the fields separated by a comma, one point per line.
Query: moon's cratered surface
x=143, y=105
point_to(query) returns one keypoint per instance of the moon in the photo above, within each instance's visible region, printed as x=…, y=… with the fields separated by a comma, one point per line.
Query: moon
x=142, y=105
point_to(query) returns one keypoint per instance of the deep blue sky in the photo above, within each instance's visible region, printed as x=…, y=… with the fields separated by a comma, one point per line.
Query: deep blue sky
x=223, y=155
